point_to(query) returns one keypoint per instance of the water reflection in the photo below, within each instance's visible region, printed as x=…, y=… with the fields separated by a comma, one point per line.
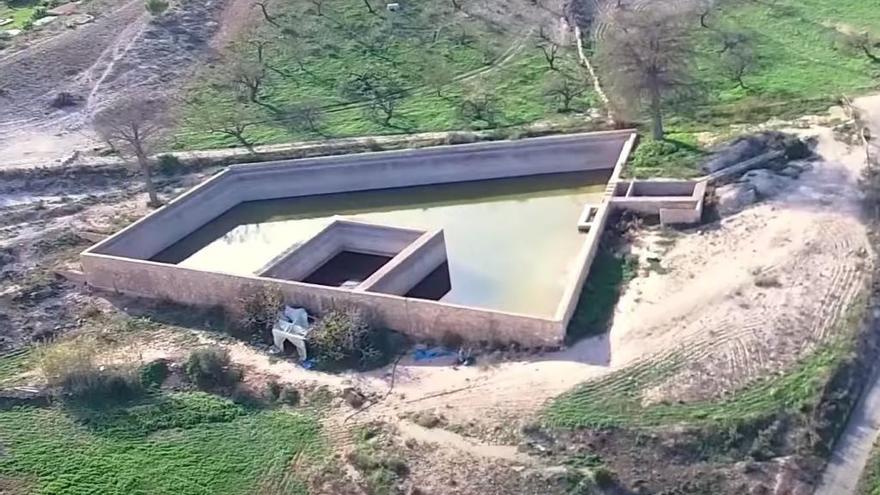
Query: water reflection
x=510, y=243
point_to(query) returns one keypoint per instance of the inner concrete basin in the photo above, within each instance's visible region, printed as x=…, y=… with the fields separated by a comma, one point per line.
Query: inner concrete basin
x=511, y=243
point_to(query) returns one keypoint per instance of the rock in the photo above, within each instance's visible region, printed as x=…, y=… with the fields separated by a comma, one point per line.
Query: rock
x=733, y=198
x=44, y=20
x=427, y=419
x=796, y=149
x=353, y=398
x=742, y=149
x=765, y=183
x=792, y=171
x=748, y=147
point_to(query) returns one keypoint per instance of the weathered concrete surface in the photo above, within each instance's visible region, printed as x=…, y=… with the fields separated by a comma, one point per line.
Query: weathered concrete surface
x=409, y=267
x=675, y=201
x=418, y=318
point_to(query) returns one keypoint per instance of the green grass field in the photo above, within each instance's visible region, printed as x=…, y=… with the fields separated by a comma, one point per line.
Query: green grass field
x=421, y=44
x=616, y=400
x=182, y=443
x=803, y=64
x=20, y=12
x=163, y=443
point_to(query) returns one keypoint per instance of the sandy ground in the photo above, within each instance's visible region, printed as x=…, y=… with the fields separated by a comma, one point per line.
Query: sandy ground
x=854, y=447
x=124, y=51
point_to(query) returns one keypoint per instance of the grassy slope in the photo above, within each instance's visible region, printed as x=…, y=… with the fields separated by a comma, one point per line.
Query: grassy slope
x=409, y=55
x=803, y=63
x=869, y=484
x=181, y=443
x=803, y=67
x=20, y=12
x=595, y=306
x=616, y=400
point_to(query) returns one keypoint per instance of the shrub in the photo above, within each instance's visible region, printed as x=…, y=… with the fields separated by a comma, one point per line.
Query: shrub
x=344, y=338
x=210, y=367
x=460, y=138
x=289, y=395
x=666, y=157
x=154, y=373
x=603, y=477
x=169, y=164
x=259, y=309
x=273, y=390
x=72, y=368
x=156, y=7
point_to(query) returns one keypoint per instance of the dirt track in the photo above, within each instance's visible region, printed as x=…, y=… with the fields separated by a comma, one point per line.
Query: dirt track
x=121, y=52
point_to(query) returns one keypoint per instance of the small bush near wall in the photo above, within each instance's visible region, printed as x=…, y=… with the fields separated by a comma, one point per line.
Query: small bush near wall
x=259, y=309
x=344, y=338
x=72, y=369
x=169, y=164
x=211, y=368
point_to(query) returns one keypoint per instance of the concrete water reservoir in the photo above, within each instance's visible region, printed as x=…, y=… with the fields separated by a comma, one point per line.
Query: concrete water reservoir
x=495, y=226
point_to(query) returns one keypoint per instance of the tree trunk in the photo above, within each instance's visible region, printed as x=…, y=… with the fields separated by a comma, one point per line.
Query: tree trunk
x=369, y=7
x=870, y=54
x=656, y=115
x=244, y=142
x=144, y=164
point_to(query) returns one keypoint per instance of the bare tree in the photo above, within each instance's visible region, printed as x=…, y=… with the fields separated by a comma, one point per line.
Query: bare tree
x=479, y=105
x=562, y=89
x=247, y=78
x=548, y=47
x=865, y=43
x=133, y=127
x=227, y=120
x=738, y=57
x=305, y=116
x=369, y=7
x=264, y=8
x=437, y=74
x=646, y=57
x=382, y=93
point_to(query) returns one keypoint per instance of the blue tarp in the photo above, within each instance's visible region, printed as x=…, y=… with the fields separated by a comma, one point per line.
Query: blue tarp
x=433, y=353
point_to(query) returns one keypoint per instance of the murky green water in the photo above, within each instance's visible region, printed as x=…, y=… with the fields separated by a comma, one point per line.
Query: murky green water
x=511, y=243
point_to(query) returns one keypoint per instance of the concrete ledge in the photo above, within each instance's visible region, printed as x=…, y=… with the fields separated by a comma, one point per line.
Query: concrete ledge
x=297, y=262
x=366, y=171
x=409, y=267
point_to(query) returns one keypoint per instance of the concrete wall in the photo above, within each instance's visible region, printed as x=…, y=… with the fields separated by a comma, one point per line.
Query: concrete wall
x=418, y=318
x=409, y=267
x=119, y=263
x=299, y=261
x=366, y=171
x=572, y=292
x=661, y=188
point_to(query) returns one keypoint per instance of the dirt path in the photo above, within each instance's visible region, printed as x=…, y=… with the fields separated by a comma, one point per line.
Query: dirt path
x=853, y=448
